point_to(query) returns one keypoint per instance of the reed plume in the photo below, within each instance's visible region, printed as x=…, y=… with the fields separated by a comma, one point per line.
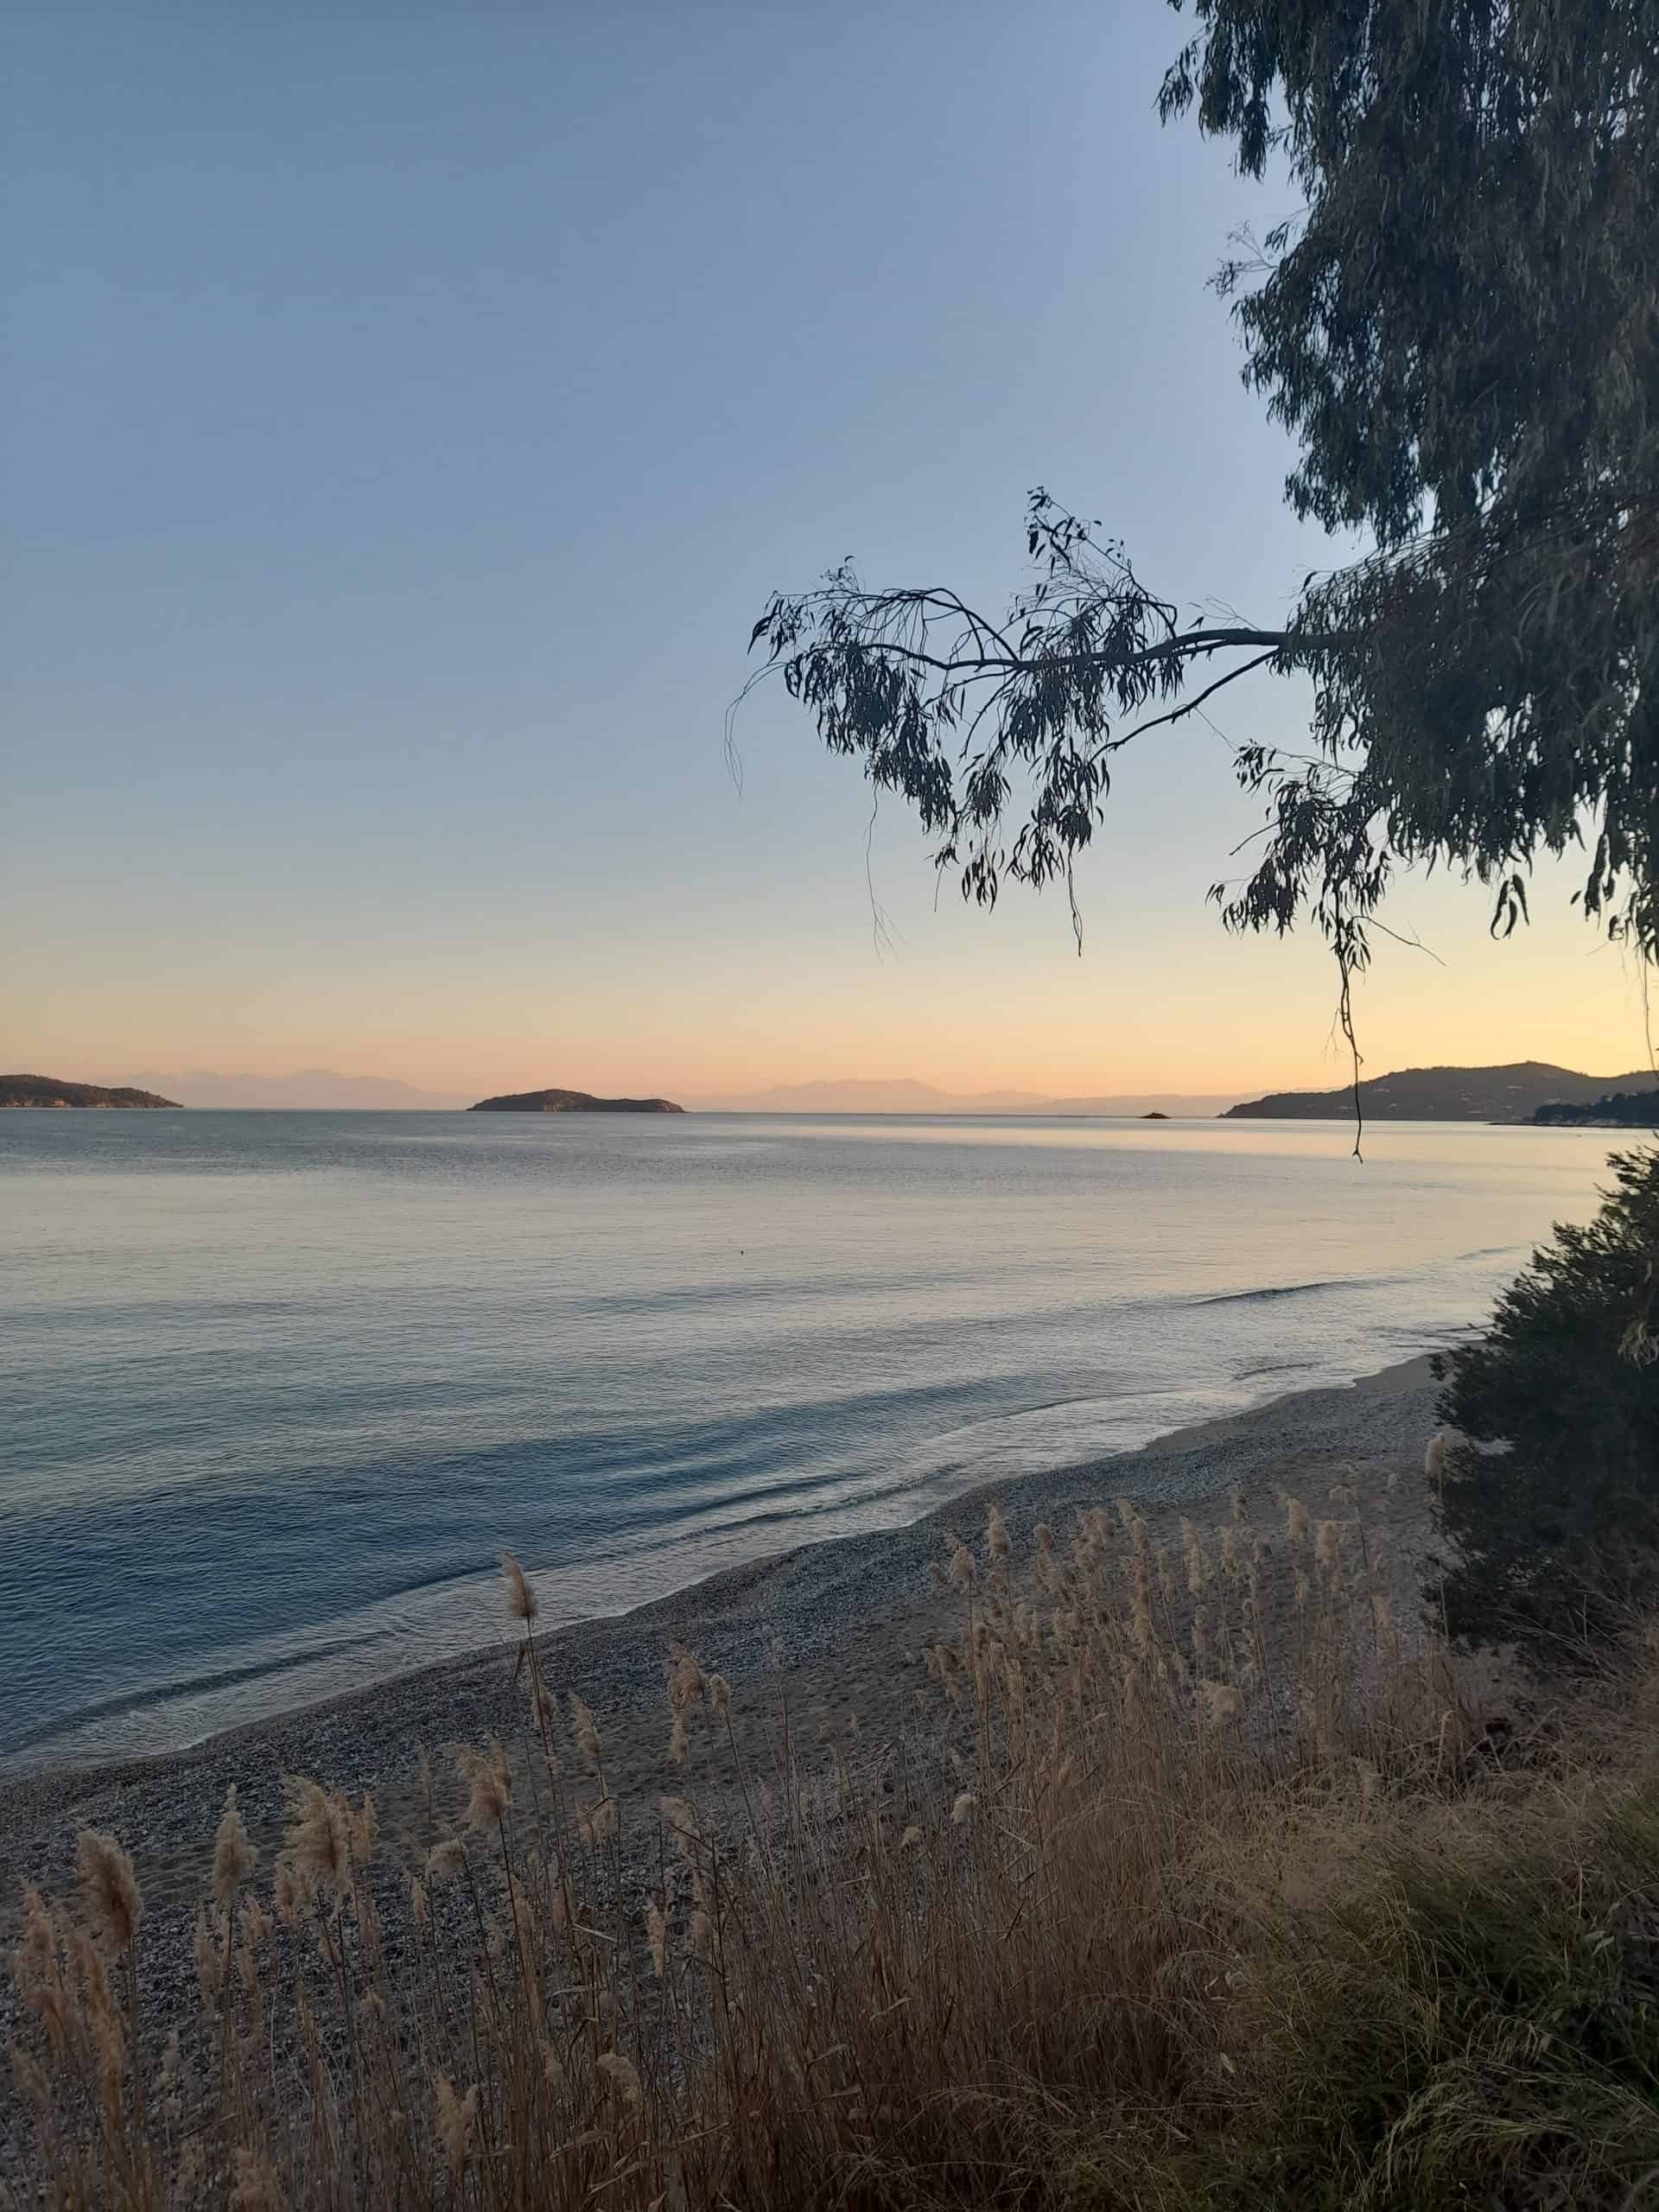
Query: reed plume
x=318, y=1837
x=108, y=1888
x=234, y=1856
x=489, y=1781
x=584, y=1732
x=523, y=1604
x=456, y=2117
x=685, y=1684
x=621, y=2077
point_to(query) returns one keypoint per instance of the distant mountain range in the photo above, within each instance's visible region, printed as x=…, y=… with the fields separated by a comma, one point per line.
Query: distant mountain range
x=313, y=1087
x=1514, y=1093
x=902, y=1095
x=53, y=1090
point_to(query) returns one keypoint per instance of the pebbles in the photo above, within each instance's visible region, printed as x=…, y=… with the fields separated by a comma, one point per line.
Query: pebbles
x=835, y=1626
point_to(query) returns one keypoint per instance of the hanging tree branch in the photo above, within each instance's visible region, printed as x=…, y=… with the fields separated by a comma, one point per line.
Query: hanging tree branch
x=968, y=718
x=1460, y=330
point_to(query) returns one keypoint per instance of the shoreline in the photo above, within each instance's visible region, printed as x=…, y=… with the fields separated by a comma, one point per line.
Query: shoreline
x=824, y=1625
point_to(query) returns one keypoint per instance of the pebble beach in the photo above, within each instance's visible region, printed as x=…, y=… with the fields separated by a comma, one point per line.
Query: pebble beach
x=830, y=1634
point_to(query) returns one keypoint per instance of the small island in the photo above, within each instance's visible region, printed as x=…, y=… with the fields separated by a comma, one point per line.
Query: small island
x=1154, y=1116
x=570, y=1101
x=51, y=1090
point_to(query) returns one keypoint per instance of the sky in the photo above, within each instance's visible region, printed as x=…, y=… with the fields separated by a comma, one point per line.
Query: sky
x=405, y=410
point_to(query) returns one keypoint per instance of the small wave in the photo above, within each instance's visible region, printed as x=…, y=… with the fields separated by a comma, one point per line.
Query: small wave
x=187, y=1686
x=1278, y=1290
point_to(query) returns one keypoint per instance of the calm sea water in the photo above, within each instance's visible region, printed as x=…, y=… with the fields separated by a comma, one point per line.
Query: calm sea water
x=277, y=1387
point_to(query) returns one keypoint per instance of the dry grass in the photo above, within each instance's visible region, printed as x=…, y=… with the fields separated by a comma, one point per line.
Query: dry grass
x=1190, y=1885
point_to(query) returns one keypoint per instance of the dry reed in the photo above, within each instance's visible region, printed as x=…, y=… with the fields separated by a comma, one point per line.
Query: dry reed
x=1077, y=1937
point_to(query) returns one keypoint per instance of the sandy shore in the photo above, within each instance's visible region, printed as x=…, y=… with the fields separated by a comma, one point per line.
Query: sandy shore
x=832, y=1631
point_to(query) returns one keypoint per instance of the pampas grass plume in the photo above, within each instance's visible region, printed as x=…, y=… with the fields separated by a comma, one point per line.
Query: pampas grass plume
x=622, y=2075
x=34, y=1963
x=445, y=1859
x=288, y=1893
x=490, y=1780
x=234, y=1857
x=681, y=1821
x=685, y=1683
x=318, y=1837
x=361, y=1825
x=456, y=2118
x=108, y=1888
x=523, y=1603
x=255, y=2188
x=585, y=1731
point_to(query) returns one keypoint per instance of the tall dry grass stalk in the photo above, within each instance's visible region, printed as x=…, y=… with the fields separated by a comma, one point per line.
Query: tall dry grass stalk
x=1075, y=1936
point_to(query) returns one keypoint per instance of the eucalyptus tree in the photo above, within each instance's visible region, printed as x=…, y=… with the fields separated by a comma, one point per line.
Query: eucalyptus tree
x=1461, y=330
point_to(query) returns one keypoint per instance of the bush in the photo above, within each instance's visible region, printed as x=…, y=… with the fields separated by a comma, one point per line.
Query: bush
x=1550, y=1496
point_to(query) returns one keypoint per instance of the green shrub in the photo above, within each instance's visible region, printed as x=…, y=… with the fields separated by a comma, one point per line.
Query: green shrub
x=1549, y=1500
x=1471, y=2020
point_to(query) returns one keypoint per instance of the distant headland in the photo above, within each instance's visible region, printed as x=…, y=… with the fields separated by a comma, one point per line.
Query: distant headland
x=570, y=1101
x=1517, y=1092
x=51, y=1090
x=1619, y=1110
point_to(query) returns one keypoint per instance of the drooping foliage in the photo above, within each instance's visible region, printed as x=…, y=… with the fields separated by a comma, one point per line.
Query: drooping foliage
x=1551, y=1509
x=1461, y=329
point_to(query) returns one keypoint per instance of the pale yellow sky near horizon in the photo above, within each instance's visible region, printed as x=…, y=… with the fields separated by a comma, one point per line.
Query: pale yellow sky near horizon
x=964, y=1002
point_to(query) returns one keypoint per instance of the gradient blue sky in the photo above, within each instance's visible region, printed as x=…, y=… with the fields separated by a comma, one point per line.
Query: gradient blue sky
x=406, y=410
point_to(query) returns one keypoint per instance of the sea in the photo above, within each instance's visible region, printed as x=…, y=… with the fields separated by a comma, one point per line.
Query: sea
x=277, y=1389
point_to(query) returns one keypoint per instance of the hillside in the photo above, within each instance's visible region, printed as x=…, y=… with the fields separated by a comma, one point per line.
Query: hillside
x=1514, y=1093
x=51, y=1090
x=1619, y=1110
x=570, y=1101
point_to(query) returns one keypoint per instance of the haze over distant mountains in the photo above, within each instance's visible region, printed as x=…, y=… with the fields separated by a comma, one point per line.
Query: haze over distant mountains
x=903, y=1095
x=1510, y=1093
x=307, y=1087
